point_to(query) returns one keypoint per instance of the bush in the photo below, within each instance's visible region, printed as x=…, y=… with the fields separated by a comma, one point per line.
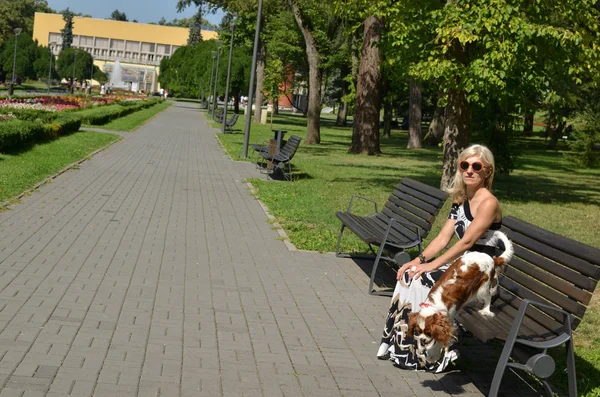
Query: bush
x=582, y=140
x=44, y=116
x=16, y=134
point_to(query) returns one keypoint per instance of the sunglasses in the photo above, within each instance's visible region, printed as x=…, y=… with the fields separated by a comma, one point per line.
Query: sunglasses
x=477, y=166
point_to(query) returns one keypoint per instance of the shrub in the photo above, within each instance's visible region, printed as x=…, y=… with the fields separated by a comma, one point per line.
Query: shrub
x=582, y=140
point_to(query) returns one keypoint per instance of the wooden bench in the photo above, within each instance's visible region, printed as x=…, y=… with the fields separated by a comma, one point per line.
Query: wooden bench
x=404, y=222
x=278, y=158
x=542, y=296
x=229, y=123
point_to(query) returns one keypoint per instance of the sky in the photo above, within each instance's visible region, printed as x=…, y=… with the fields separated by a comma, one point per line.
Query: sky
x=144, y=11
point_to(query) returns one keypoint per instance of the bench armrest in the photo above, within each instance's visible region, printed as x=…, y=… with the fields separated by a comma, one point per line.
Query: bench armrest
x=407, y=225
x=362, y=198
x=514, y=329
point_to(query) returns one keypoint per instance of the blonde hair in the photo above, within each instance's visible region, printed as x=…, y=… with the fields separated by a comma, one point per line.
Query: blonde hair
x=458, y=189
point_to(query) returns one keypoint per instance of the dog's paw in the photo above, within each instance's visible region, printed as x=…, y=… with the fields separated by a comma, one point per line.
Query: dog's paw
x=486, y=313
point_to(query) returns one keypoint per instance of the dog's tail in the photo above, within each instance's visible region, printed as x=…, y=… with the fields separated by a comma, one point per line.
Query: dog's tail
x=508, y=249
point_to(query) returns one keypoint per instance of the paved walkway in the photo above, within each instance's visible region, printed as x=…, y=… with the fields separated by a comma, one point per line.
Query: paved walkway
x=151, y=271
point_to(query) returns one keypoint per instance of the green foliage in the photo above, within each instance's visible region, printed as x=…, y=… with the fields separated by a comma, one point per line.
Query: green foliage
x=187, y=72
x=195, y=29
x=117, y=15
x=19, y=14
x=104, y=114
x=17, y=134
x=23, y=169
x=74, y=62
x=583, y=139
x=27, y=52
x=67, y=31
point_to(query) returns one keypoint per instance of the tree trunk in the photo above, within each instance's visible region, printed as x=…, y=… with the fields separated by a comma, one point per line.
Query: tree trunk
x=236, y=102
x=456, y=133
x=436, y=128
x=528, y=124
x=342, y=114
x=260, y=78
x=315, y=79
x=276, y=105
x=415, y=100
x=365, y=135
x=556, y=133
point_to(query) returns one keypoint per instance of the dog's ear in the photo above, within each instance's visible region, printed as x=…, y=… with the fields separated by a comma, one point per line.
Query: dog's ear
x=412, y=324
x=441, y=329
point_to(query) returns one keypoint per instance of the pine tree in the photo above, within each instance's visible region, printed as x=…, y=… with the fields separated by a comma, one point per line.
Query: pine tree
x=67, y=32
x=195, y=29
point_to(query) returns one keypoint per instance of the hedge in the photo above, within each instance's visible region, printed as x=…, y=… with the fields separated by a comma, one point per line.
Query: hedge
x=39, y=125
x=16, y=134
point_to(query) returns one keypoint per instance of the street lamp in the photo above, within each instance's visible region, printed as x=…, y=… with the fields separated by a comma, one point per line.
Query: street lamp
x=251, y=89
x=228, y=75
x=73, y=78
x=14, y=69
x=51, y=47
x=216, y=81
x=214, y=56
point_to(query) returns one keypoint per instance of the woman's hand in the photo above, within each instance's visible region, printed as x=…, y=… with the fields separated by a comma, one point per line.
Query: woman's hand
x=407, y=266
x=420, y=269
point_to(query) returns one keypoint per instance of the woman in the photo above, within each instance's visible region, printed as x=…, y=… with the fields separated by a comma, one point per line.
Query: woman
x=475, y=214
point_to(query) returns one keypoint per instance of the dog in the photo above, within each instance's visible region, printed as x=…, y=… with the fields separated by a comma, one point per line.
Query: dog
x=471, y=278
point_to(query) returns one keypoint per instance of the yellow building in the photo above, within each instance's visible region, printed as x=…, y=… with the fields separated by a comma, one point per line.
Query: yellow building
x=134, y=49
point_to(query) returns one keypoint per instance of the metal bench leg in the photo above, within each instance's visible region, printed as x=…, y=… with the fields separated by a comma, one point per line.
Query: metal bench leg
x=339, y=242
x=500, y=368
x=375, y=265
x=571, y=368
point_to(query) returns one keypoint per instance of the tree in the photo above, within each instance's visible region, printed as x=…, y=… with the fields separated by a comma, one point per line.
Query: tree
x=80, y=59
x=27, y=53
x=195, y=26
x=116, y=15
x=319, y=27
x=19, y=14
x=365, y=134
x=67, y=31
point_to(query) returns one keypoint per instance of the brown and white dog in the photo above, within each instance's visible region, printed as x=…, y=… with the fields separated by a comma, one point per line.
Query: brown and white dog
x=471, y=278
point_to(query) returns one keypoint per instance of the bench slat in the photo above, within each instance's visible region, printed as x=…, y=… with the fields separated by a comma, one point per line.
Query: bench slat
x=548, y=293
x=559, y=248
x=507, y=298
x=398, y=202
x=544, y=277
x=430, y=209
x=428, y=190
x=562, y=272
x=433, y=200
x=556, y=255
x=520, y=292
x=399, y=231
x=399, y=213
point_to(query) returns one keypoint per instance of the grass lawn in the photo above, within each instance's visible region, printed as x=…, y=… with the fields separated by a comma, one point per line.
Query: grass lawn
x=134, y=120
x=546, y=189
x=20, y=171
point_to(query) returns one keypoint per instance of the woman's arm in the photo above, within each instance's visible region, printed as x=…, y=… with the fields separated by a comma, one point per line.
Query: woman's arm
x=440, y=242
x=486, y=213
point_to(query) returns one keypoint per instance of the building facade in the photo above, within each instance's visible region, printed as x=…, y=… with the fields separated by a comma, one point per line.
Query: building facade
x=131, y=50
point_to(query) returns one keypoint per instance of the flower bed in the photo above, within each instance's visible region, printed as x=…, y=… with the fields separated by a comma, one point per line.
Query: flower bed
x=63, y=102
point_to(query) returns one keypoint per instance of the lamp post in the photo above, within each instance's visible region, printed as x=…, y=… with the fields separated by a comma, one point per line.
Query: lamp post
x=14, y=69
x=73, y=78
x=216, y=81
x=214, y=56
x=228, y=76
x=251, y=88
x=51, y=47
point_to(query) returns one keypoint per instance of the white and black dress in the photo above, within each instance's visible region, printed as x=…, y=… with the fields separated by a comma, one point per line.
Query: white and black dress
x=402, y=350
